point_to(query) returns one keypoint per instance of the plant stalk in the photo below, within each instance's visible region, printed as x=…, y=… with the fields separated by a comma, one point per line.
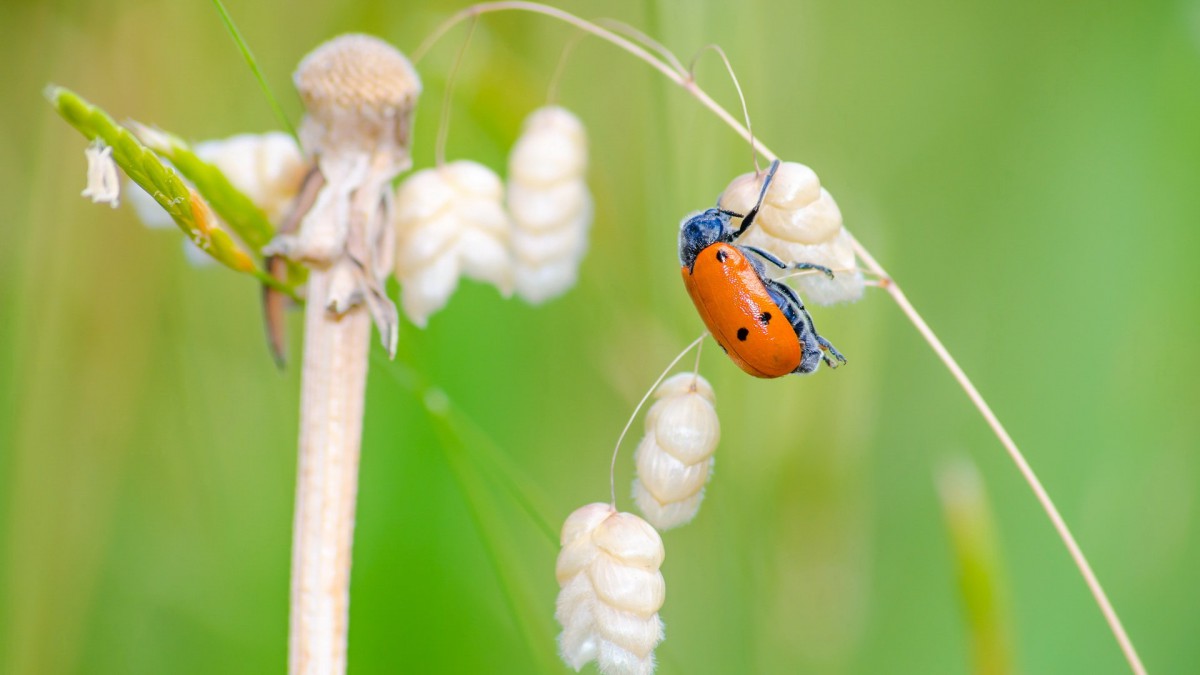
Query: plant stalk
x=333, y=385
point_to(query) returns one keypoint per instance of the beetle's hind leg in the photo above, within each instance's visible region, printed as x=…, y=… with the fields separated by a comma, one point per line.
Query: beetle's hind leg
x=832, y=357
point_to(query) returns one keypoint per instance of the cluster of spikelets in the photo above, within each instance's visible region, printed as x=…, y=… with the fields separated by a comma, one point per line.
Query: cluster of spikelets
x=450, y=221
x=612, y=589
x=675, y=457
x=800, y=222
x=608, y=569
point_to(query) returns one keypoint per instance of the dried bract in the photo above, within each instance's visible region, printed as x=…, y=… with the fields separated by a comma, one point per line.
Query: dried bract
x=550, y=203
x=611, y=591
x=675, y=457
x=800, y=222
x=359, y=93
x=449, y=222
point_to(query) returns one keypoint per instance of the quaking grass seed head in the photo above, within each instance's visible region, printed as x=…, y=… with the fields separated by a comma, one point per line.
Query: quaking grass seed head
x=800, y=222
x=611, y=591
x=675, y=457
x=450, y=222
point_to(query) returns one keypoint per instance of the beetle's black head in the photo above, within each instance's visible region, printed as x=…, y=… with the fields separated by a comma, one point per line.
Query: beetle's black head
x=700, y=230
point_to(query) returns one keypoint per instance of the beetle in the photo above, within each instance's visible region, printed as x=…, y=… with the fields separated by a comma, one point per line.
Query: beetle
x=760, y=322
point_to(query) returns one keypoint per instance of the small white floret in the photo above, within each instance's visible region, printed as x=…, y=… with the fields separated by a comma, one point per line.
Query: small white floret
x=103, y=181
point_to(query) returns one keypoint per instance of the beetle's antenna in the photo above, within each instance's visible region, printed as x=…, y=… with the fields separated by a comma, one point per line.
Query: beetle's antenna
x=444, y=125
x=612, y=467
x=691, y=72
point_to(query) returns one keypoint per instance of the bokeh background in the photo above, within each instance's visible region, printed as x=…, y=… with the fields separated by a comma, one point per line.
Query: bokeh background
x=1029, y=171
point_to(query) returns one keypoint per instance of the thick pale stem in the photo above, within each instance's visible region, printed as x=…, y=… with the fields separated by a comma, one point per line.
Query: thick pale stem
x=331, y=414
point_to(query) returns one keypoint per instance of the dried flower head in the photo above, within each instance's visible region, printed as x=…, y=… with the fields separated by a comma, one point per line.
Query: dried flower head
x=675, y=457
x=800, y=222
x=550, y=203
x=611, y=591
x=103, y=181
x=359, y=93
x=450, y=222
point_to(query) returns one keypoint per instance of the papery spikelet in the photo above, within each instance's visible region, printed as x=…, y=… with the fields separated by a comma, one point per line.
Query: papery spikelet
x=549, y=202
x=674, y=458
x=800, y=222
x=611, y=591
x=449, y=222
x=268, y=168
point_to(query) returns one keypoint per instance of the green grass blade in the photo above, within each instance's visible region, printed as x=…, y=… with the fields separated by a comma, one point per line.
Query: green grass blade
x=980, y=572
x=185, y=206
x=236, y=210
x=253, y=63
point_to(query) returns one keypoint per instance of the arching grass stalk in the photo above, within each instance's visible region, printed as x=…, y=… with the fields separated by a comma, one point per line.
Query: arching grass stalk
x=685, y=80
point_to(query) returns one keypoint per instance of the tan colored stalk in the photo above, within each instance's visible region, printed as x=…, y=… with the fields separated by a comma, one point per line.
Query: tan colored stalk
x=331, y=414
x=684, y=80
x=359, y=93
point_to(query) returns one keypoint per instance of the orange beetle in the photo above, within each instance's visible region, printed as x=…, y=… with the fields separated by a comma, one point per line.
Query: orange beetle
x=760, y=322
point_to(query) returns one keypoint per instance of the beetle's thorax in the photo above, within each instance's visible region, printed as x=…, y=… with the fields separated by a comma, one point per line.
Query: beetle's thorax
x=700, y=230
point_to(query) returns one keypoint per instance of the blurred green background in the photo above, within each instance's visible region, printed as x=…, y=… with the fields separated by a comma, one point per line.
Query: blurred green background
x=1029, y=171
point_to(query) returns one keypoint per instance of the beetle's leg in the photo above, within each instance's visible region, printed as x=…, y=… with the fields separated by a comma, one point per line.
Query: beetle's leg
x=749, y=219
x=813, y=266
x=769, y=257
x=774, y=260
x=815, y=347
x=810, y=348
x=827, y=350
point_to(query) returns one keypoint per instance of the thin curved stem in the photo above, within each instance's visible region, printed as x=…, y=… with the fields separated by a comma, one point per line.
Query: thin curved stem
x=612, y=467
x=893, y=289
x=736, y=85
x=444, y=123
x=1043, y=497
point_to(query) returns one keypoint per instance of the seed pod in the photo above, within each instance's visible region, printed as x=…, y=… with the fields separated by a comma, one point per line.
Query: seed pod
x=611, y=591
x=800, y=222
x=674, y=458
x=449, y=222
x=550, y=203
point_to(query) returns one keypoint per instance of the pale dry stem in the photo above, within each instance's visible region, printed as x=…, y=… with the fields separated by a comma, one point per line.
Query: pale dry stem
x=331, y=414
x=684, y=80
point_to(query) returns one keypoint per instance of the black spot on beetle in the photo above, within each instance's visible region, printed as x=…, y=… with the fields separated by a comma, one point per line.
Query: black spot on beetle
x=721, y=255
x=743, y=333
x=765, y=316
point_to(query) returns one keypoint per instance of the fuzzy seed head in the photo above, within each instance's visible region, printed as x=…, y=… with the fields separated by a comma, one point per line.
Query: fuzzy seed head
x=675, y=457
x=610, y=591
x=800, y=222
x=550, y=203
x=359, y=91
